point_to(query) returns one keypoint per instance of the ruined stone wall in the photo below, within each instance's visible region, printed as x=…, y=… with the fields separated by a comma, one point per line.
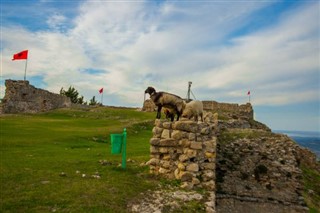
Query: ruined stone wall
x=229, y=110
x=21, y=97
x=149, y=106
x=184, y=150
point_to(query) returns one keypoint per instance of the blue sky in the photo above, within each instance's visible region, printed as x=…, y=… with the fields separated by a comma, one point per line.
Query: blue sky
x=224, y=47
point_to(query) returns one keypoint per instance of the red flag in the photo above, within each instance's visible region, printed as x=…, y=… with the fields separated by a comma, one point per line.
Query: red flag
x=21, y=55
x=248, y=92
x=101, y=90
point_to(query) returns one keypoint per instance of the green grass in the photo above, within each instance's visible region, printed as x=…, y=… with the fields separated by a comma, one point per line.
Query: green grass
x=311, y=179
x=36, y=149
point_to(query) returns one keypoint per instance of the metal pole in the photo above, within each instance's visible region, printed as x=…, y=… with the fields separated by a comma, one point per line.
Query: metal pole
x=124, y=149
x=25, y=70
x=102, y=98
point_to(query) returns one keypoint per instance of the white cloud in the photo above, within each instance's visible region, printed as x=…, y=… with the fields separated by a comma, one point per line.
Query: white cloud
x=139, y=44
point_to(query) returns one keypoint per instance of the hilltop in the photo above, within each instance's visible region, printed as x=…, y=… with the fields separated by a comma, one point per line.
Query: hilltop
x=256, y=170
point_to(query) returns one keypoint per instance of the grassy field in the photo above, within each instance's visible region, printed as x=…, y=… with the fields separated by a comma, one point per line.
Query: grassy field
x=44, y=159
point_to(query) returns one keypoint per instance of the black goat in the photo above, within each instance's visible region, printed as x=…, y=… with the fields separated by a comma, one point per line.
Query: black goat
x=164, y=99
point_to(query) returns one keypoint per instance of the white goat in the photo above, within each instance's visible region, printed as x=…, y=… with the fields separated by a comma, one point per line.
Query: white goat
x=193, y=109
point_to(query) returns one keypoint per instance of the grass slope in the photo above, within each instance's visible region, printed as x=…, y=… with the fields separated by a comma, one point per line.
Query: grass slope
x=36, y=150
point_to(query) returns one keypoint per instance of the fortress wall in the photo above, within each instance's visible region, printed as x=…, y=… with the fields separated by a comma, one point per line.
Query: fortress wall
x=21, y=97
x=186, y=151
x=244, y=110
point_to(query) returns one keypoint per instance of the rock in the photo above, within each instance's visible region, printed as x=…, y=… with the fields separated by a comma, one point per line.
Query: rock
x=21, y=97
x=194, y=167
x=196, y=145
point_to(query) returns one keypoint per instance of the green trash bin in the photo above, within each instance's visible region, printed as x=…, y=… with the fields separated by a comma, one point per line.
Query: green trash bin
x=116, y=143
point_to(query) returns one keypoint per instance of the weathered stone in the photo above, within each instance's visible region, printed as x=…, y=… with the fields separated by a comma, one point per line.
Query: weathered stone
x=166, y=157
x=149, y=106
x=192, y=137
x=177, y=173
x=184, y=143
x=188, y=126
x=163, y=170
x=167, y=125
x=157, y=131
x=193, y=167
x=206, y=130
x=166, y=134
x=168, y=142
x=186, y=176
x=195, y=181
x=210, y=144
x=210, y=155
x=154, y=150
x=165, y=164
x=209, y=185
x=208, y=166
x=208, y=175
x=176, y=134
x=154, y=141
x=183, y=158
x=158, y=123
x=153, y=162
x=191, y=153
x=163, y=150
x=187, y=185
x=196, y=145
x=21, y=97
x=181, y=166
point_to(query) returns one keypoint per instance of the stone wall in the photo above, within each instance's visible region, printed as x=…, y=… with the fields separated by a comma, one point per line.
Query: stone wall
x=149, y=106
x=21, y=97
x=243, y=111
x=184, y=150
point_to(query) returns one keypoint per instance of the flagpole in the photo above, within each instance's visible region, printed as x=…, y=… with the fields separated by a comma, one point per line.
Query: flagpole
x=102, y=98
x=25, y=70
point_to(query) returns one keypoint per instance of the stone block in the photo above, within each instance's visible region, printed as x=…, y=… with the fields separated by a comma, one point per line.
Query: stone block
x=153, y=162
x=166, y=133
x=181, y=166
x=186, y=176
x=154, y=141
x=208, y=175
x=187, y=185
x=163, y=170
x=187, y=126
x=157, y=131
x=184, y=143
x=158, y=123
x=177, y=135
x=163, y=150
x=195, y=181
x=192, y=137
x=208, y=166
x=210, y=155
x=193, y=167
x=183, y=158
x=191, y=153
x=165, y=164
x=209, y=185
x=168, y=142
x=167, y=125
x=196, y=145
x=154, y=150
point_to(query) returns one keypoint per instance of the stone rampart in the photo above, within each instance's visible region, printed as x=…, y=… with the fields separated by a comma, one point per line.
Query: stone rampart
x=186, y=151
x=235, y=110
x=21, y=97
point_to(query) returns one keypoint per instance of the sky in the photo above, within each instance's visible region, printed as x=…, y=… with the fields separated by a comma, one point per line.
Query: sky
x=226, y=48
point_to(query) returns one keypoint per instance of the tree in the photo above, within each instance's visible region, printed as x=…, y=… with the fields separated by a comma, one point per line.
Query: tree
x=72, y=93
x=93, y=101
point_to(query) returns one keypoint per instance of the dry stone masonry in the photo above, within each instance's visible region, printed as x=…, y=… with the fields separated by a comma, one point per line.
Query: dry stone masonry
x=21, y=97
x=184, y=150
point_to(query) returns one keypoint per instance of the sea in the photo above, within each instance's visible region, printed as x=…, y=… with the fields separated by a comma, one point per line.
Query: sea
x=307, y=139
